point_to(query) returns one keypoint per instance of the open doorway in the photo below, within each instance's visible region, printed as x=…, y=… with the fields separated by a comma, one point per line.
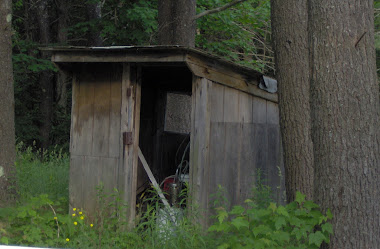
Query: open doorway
x=165, y=126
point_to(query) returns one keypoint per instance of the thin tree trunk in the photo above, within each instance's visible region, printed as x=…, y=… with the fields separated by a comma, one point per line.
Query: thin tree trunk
x=176, y=24
x=26, y=20
x=94, y=11
x=46, y=77
x=7, y=125
x=345, y=119
x=62, y=79
x=63, y=19
x=289, y=31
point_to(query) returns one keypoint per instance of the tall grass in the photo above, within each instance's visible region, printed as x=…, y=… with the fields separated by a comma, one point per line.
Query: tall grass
x=39, y=173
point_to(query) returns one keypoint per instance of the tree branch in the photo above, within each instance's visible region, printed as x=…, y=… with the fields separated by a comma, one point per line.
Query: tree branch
x=219, y=9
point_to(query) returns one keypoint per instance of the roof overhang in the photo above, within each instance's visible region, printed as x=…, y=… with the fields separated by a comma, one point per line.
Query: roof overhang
x=199, y=62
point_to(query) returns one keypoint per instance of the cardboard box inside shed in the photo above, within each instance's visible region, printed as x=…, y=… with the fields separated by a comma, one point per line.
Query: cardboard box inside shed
x=161, y=99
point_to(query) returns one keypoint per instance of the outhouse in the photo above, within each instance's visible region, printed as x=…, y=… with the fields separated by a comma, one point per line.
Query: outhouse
x=193, y=115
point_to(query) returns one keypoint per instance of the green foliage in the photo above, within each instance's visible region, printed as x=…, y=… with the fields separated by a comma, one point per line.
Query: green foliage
x=42, y=222
x=30, y=224
x=41, y=173
x=240, y=34
x=122, y=23
x=157, y=230
x=126, y=22
x=299, y=224
x=261, y=193
x=26, y=67
x=45, y=221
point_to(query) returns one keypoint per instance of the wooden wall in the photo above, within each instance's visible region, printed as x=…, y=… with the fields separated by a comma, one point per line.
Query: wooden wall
x=234, y=135
x=95, y=132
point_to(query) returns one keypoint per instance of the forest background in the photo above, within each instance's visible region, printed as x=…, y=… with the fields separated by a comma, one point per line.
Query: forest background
x=241, y=34
x=43, y=95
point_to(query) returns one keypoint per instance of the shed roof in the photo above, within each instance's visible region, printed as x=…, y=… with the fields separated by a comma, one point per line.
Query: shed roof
x=201, y=63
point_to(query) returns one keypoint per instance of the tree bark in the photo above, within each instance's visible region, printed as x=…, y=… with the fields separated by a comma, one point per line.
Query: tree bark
x=63, y=19
x=94, y=11
x=46, y=76
x=176, y=24
x=7, y=125
x=290, y=42
x=345, y=119
x=62, y=79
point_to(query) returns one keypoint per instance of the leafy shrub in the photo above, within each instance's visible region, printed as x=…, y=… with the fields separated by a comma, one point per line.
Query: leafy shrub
x=30, y=224
x=299, y=224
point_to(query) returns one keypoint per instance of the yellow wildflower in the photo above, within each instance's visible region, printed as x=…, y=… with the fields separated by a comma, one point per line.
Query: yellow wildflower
x=75, y=223
x=73, y=215
x=67, y=239
x=80, y=213
x=82, y=217
x=74, y=209
x=55, y=218
x=91, y=225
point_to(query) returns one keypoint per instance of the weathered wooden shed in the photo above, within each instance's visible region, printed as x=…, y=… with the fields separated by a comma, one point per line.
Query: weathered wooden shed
x=153, y=98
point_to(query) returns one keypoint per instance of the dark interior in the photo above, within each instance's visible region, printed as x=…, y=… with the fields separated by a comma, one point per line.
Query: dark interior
x=162, y=149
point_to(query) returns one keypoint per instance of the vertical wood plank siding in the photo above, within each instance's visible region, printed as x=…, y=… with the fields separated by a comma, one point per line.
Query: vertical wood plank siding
x=95, y=133
x=200, y=140
x=239, y=136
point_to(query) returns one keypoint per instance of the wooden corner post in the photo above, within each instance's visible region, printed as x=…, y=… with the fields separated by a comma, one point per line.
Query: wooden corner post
x=199, y=146
x=130, y=126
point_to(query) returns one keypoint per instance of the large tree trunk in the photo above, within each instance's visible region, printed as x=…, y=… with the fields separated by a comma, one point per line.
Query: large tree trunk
x=94, y=11
x=7, y=126
x=289, y=30
x=46, y=77
x=176, y=24
x=345, y=119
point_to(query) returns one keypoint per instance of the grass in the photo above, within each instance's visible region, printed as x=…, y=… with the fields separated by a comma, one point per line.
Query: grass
x=41, y=173
x=41, y=216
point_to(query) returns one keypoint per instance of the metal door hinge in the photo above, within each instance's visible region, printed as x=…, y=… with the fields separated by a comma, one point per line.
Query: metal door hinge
x=127, y=138
x=129, y=92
